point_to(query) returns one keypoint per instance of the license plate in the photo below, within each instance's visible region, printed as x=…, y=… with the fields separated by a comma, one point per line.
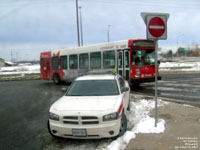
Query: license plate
x=79, y=132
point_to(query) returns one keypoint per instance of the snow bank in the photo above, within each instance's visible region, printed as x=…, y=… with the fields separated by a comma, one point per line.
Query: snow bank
x=22, y=69
x=187, y=66
x=139, y=121
x=146, y=125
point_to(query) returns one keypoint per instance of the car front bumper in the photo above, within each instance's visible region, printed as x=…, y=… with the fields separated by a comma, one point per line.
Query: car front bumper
x=102, y=130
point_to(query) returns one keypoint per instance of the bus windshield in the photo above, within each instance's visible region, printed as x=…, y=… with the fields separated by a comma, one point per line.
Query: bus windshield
x=141, y=57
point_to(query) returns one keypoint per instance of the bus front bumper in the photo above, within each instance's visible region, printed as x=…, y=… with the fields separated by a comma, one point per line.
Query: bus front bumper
x=143, y=80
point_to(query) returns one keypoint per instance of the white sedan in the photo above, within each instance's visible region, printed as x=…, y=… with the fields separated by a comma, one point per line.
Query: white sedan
x=94, y=106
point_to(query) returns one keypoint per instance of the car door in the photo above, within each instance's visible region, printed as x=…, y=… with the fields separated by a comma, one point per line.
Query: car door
x=125, y=95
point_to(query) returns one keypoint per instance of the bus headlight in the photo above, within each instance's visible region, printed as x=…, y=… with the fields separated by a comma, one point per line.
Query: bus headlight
x=137, y=76
x=53, y=116
x=109, y=117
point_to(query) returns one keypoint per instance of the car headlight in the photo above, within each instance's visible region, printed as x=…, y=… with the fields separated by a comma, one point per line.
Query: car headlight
x=109, y=117
x=53, y=116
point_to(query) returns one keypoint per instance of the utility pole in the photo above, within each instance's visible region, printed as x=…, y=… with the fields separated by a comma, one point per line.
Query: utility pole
x=81, y=26
x=108, y=34
x=77, y=23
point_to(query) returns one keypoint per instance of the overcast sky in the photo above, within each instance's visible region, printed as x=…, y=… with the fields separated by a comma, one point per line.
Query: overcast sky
x=28, y=27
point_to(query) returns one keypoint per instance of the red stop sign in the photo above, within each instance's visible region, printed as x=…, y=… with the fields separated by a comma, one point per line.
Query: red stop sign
x=156, y=27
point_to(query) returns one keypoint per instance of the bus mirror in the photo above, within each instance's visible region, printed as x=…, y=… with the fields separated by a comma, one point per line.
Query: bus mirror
x=158, y=62
x=64, y=89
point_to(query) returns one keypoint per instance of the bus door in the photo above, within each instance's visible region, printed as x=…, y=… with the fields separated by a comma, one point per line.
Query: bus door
x=123, y=63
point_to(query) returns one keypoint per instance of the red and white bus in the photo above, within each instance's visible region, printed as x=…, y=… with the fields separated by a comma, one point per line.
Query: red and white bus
x=133, y=59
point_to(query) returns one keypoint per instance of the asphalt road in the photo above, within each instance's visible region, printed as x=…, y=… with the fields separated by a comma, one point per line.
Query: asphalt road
x=180, y=86
x=24, y=109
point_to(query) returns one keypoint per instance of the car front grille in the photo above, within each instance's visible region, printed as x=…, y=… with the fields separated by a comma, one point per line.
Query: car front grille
x=80, y=120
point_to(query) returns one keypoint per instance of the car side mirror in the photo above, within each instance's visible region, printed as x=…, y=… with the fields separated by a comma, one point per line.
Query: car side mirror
x=124, y=89
x=64, y=89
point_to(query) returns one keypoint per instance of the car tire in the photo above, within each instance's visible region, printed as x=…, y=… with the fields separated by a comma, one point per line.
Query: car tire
x=123, y=126
x=48, y=126
x=56, y=78
x=129, y=105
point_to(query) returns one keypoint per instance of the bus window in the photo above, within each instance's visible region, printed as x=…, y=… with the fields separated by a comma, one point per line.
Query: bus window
x=150, y=58
x=138, y=57
x=95, y=60
x=55, y=63
x=42, y=62
x=109, y=59
x=64, y=62
x=126, y=59
x=83, y=61
x=120, y=60
x=73, y=62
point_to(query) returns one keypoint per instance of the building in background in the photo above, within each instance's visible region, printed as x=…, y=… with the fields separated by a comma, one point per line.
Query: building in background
x=2, y=62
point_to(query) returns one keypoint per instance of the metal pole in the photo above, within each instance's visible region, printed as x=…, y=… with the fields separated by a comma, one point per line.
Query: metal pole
x=156, y=82
x=108, y=34
x=81, y=26
x=77, y=22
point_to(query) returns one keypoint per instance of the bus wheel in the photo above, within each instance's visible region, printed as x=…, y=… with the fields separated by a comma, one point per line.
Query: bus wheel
x=56, y=78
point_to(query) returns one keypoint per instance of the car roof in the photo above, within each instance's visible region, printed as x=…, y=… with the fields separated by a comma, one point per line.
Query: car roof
x=97, y=77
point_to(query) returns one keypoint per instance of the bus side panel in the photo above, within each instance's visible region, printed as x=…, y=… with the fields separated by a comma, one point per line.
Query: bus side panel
x=45, y=65
x=58, y=71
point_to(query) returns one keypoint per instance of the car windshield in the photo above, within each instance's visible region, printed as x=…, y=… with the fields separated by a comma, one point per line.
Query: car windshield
x=93, y=88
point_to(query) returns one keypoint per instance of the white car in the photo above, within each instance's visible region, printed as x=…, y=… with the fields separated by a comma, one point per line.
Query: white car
x=94, y=106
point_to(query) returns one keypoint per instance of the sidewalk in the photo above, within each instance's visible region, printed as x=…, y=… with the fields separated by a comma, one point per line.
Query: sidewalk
x=182, y=130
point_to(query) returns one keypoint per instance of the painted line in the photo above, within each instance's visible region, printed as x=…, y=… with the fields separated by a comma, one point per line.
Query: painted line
x=156, y=27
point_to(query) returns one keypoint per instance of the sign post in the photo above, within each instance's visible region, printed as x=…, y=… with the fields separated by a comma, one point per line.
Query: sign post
x=156, y=27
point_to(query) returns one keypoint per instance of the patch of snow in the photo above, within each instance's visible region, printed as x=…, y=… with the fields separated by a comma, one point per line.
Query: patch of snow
x=22, y=69
x=139, y=121
x=147, y=125
x=186, y=66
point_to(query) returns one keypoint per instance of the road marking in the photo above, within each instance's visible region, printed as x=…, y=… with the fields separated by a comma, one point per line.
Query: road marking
x=197, y=104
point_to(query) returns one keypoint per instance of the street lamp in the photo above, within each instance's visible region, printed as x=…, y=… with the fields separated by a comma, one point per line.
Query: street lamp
x=81, y=25
x=108, y=35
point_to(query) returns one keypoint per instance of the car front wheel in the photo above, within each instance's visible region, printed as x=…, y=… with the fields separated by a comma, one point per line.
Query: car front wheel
x=123, y=126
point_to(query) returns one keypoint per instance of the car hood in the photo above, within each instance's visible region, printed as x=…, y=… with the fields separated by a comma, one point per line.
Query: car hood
x=91, y=103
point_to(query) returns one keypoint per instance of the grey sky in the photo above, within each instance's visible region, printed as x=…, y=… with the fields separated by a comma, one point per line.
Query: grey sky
x=28, y=27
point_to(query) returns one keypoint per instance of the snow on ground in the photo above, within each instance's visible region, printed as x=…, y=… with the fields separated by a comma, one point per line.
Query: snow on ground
x=21, y=69
x=167, y=66
x=139, y=121
x=186, y=66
